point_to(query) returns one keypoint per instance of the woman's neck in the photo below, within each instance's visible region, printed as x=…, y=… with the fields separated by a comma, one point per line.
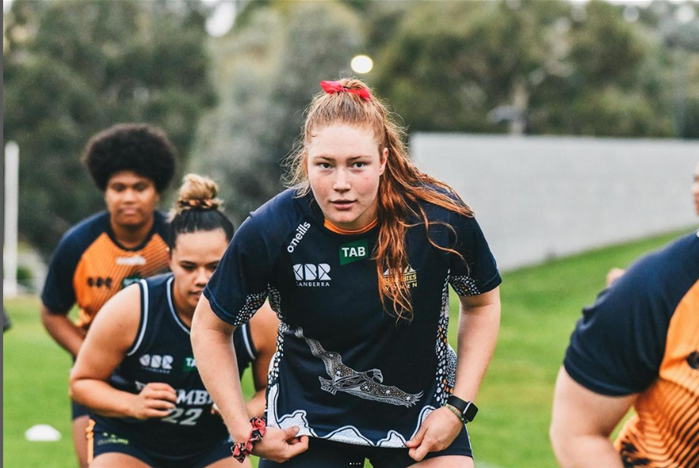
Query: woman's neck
x=182, y=308
x=131, y=236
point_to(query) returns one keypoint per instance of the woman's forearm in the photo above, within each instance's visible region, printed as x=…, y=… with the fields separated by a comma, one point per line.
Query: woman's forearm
x=62, y=330
x=478, y=332
x=102, y=398
x=218, y=368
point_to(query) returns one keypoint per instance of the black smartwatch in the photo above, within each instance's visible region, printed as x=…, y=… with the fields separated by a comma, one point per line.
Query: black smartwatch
x=468, y=409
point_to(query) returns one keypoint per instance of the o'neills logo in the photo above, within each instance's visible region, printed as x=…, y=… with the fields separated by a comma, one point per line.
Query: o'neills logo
x=301, y=230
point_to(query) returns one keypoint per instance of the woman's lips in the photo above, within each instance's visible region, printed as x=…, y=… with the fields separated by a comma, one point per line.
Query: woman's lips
x=342, y=204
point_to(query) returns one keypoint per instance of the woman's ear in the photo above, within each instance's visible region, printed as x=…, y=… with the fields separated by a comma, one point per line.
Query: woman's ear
x=383, y=158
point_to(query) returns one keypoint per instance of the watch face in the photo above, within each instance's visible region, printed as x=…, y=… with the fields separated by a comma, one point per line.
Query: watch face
x=470, y=412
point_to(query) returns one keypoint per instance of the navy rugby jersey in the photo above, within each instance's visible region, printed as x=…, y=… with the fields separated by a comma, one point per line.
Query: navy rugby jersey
x=345, y=370
x=642, y=336
x=162, y=352
x=89, y=265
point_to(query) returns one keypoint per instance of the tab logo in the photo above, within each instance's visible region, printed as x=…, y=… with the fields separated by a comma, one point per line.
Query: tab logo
x=353, y=251
x=310, y=275
x=129, y=280
x=189, y=364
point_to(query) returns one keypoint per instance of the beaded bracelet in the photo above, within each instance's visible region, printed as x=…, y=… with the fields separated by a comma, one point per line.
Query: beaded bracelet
x=456, y=412
x=244, y=449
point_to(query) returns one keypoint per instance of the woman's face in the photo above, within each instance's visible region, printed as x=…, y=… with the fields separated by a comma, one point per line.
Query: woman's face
x=192, y=261
x=131, y=199
x=344, y=170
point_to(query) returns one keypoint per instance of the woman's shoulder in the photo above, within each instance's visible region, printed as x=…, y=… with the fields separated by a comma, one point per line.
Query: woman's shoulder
x=284, y=203
x=436, y=206
x=279, y=216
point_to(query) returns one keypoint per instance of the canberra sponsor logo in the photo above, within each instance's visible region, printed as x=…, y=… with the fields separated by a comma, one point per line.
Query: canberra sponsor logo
x=353, y=251
x=157, y=363
x=301, y=231
x=312, y=276
x=409, y=276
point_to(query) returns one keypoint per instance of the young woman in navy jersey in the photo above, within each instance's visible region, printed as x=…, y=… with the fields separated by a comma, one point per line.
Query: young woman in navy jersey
x=136, y=371
x=356, y=258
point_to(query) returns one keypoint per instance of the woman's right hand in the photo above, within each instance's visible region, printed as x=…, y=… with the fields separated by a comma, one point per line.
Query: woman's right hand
x=279, y=445
x=156, y=400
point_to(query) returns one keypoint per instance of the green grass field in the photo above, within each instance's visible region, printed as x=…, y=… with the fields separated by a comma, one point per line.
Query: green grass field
x=540, y=306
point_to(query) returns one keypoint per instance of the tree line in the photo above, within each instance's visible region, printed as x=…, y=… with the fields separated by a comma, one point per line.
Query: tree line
x=233, y=105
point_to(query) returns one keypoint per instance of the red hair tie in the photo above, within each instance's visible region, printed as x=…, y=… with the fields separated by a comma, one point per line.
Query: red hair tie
x=332, y=87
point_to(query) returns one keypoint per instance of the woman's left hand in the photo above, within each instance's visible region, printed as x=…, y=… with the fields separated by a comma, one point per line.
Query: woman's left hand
x=437, y=433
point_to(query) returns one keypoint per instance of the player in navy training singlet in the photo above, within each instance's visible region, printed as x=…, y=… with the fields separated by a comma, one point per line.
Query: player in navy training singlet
x=136, y=370
x=132, y=164
x=357, y=260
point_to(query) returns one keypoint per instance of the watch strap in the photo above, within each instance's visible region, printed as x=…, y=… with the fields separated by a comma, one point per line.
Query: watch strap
x=468, y=409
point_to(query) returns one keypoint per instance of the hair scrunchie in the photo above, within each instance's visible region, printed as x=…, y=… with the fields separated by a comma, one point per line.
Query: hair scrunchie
x=332, y=87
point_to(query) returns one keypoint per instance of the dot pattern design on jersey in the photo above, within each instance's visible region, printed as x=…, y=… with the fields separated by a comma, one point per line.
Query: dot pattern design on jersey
x=464, y=286
x=446, y=364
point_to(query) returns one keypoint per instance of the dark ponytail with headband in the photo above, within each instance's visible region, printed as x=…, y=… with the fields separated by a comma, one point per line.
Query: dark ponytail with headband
x=197, y=209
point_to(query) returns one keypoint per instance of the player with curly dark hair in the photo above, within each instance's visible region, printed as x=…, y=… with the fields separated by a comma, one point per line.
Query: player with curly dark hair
x=132, y=164
x=140, y=148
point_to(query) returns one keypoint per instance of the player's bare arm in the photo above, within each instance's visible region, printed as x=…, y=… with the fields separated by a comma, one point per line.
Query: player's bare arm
x=62, y=329
x=582, y=424
x=263, y=327
x=478, y=330
x=112, y=333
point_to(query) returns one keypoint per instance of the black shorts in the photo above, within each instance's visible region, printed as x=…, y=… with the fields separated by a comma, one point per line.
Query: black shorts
x=77, y=410
x=326, y=454
x=102, y=440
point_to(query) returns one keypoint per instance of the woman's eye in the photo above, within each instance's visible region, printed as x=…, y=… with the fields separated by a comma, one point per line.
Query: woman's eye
x=359, y=165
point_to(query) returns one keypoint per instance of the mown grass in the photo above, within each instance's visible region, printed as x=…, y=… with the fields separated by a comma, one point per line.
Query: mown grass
x=540, y=307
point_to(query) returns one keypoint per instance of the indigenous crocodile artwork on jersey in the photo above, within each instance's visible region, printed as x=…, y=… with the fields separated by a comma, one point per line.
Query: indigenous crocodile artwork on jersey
x=367, y=385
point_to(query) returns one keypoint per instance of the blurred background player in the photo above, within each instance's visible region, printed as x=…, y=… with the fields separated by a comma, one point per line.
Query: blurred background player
x=132, y=164
x=638, y=345
x=136, y=370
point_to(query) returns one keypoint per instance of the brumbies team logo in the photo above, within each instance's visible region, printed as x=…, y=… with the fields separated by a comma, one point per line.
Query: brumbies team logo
x=309, y=275
x=409, y=276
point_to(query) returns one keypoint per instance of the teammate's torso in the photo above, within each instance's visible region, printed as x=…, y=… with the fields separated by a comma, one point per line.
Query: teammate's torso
x=105, y=268
x=89, y=266
x=162, y=352
x=665, y=429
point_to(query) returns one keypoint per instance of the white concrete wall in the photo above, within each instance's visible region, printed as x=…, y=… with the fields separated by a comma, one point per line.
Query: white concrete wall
x=542, y=197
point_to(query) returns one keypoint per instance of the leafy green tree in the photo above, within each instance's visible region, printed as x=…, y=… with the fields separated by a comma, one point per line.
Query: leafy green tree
x=546, y=67
x=449, y=64
x=267, y=69
x=72, y=69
